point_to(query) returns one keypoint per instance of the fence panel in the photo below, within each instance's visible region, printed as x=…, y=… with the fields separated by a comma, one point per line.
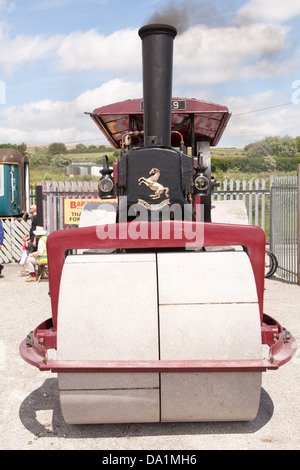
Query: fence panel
x=13, y=242
x=256, y=198
x=253, y=193
x=55, y=193
x=276, y=206
x=283, y=225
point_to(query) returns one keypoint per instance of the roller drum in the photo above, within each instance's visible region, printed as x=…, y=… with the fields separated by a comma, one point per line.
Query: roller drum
x=168, y=306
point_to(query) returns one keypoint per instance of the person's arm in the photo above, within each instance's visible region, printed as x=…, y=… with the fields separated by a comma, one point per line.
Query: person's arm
x=1, y=234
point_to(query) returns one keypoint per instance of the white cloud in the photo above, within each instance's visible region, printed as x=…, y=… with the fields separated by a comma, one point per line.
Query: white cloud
x=246, y=126
x=78, y=51
x=263, y=11
x=110, y=92
x=91, y=50
x=210, y=55
x=252, y=48
x=63, y=121
x=22, y=49
x=215, y=55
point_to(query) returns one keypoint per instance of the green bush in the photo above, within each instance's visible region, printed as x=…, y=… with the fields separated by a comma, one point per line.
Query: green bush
x=287, y=164
x=272, y=145
x=60, y=160
x=254, y=165
x=57, y=148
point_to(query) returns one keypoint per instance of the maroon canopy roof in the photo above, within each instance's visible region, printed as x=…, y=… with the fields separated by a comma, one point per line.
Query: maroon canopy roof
x=209, y=120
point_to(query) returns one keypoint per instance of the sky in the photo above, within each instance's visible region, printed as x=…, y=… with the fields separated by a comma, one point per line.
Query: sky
x=62, y=58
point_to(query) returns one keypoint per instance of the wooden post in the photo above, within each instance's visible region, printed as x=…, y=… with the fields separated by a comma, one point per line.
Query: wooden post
x=39, y=205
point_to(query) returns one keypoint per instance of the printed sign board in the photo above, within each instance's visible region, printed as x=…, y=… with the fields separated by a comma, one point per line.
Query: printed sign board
x=73, y=208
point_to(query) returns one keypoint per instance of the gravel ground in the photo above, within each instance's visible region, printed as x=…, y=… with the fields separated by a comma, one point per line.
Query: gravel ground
x=29, y=404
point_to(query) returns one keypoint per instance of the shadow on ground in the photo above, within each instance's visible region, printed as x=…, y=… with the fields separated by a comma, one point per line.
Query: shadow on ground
x=40, y=413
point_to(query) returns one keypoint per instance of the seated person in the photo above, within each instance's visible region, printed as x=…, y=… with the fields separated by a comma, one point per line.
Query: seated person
x=39, y=255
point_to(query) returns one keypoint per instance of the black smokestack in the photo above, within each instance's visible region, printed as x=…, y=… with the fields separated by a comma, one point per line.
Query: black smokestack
x=157, y=46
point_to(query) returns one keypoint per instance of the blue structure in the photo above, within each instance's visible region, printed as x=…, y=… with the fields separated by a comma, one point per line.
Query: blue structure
x=14, y=183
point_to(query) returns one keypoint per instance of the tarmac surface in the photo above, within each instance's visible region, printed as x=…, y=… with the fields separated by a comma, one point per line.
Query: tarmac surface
x=30, y=416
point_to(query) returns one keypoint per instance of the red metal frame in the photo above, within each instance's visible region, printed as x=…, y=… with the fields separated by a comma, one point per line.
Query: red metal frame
x=209, y=120
x=250, y=237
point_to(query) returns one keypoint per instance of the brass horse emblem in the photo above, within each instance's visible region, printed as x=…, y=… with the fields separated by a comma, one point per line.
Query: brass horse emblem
x=153, y=184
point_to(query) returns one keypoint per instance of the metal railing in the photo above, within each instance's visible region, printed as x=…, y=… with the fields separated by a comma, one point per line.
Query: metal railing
x=284, y=217
x=254, y=194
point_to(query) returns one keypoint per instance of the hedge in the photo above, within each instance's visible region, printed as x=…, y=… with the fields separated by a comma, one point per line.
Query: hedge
x=253, y=165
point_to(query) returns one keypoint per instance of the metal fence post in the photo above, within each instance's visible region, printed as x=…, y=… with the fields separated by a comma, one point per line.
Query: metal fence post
x=271, y=236
x=39, y=205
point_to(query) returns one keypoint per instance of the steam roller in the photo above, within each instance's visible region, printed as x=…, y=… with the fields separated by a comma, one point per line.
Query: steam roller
x=157, y=298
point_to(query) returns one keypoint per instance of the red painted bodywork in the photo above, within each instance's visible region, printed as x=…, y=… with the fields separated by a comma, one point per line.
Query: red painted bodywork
x=210, y=121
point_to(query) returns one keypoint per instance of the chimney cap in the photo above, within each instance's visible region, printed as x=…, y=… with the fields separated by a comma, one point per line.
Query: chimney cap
x=157, y=29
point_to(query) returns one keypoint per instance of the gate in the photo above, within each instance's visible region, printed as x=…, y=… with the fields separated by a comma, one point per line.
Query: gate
x=54, y=194
x=254, y=194
x=284, y=216
x=13, y=242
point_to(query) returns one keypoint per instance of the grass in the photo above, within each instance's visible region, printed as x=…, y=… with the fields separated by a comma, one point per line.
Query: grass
x=52, y=173
x=237, y=175
x=227, y=152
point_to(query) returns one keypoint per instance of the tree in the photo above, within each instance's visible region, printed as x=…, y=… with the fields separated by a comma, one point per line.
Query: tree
x=257, y=149
x=269, y=163
x=40, y=157
x=61, y=160
x=57, y=148
x=287, y=147
x=298, y=143
x=21, y=147
x=275, y=146
x=80, y=147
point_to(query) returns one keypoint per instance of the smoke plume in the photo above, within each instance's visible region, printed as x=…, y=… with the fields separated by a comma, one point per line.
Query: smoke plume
x=186, y=13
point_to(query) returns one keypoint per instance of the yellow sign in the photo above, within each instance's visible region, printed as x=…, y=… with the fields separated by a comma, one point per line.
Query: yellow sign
x=73, y=208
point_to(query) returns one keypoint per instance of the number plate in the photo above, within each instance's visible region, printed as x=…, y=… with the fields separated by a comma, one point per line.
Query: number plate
x=176, y=105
